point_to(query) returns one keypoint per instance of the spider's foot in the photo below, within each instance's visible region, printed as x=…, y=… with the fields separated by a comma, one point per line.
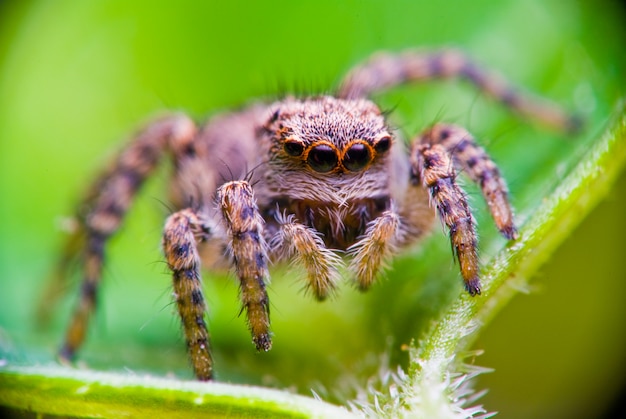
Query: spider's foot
x=263, y=342
x=66, y=355
x=473, y=286
x=509, y=232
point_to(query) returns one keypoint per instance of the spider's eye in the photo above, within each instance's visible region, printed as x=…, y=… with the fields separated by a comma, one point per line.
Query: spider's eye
x=322, y=158
x=383, y=144
x=293, y=148
x=357, y=157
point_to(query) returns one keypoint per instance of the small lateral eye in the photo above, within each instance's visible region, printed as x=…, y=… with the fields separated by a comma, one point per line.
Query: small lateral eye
x=357, y=157
x=383, y=144
x=293, y=148
x=322, y=158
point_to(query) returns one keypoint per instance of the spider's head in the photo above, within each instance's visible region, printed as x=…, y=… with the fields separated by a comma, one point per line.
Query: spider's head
x=328, y=149
x=325, y=135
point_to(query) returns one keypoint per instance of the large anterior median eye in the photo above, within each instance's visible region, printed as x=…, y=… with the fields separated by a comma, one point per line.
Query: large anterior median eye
x=357, y=157
x=322, y=158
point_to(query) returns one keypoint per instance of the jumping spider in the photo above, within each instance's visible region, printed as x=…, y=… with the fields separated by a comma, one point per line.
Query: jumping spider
x=302, y=179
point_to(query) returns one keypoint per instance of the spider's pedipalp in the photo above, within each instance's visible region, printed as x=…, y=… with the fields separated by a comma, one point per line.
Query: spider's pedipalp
x=182, y=232
x=374, y=248
x=249, y=253
x=308, y=250
x=432, y=165
x=474, y=161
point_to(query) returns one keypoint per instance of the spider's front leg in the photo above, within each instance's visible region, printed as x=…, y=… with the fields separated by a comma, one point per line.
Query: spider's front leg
x=249, y=254
x=183, y=230
x=433, y=157
x=476, y=163
x=432, y=166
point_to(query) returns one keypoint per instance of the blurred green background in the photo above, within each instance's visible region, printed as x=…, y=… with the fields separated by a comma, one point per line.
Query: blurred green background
x=77, y=78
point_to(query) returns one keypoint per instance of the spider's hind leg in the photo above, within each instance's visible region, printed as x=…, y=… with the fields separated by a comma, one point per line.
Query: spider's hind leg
x=58, y=281
x=386, y=70
x=105, y=207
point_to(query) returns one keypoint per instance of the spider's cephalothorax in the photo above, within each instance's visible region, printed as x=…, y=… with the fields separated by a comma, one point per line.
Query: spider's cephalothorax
x=327, y=165
x=321, y=181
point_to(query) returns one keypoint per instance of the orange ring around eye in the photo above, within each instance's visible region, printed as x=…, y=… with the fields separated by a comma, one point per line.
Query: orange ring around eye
x=357, y=155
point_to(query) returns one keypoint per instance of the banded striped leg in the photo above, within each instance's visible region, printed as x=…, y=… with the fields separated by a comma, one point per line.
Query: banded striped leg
x=249, y=253
x=309, y=251
x=108, y=202
x=431, y=164
x=386, y=70
x=474, y=161
x=59, y=279
x=182, y=232
x=374, y=248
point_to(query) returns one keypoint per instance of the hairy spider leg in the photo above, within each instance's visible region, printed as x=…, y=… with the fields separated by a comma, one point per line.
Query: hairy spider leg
x=433, y=168
x=59, y=280
x=249, y=254
x=183, y=230
x=386, y=70
x=108, y=202
x=433, y=156
x=476, y=163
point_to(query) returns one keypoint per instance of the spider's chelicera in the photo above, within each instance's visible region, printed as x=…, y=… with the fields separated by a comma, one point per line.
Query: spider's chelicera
x=330, y=175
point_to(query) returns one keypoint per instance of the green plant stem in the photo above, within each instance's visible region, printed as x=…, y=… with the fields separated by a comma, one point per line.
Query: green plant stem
x=66, y=392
